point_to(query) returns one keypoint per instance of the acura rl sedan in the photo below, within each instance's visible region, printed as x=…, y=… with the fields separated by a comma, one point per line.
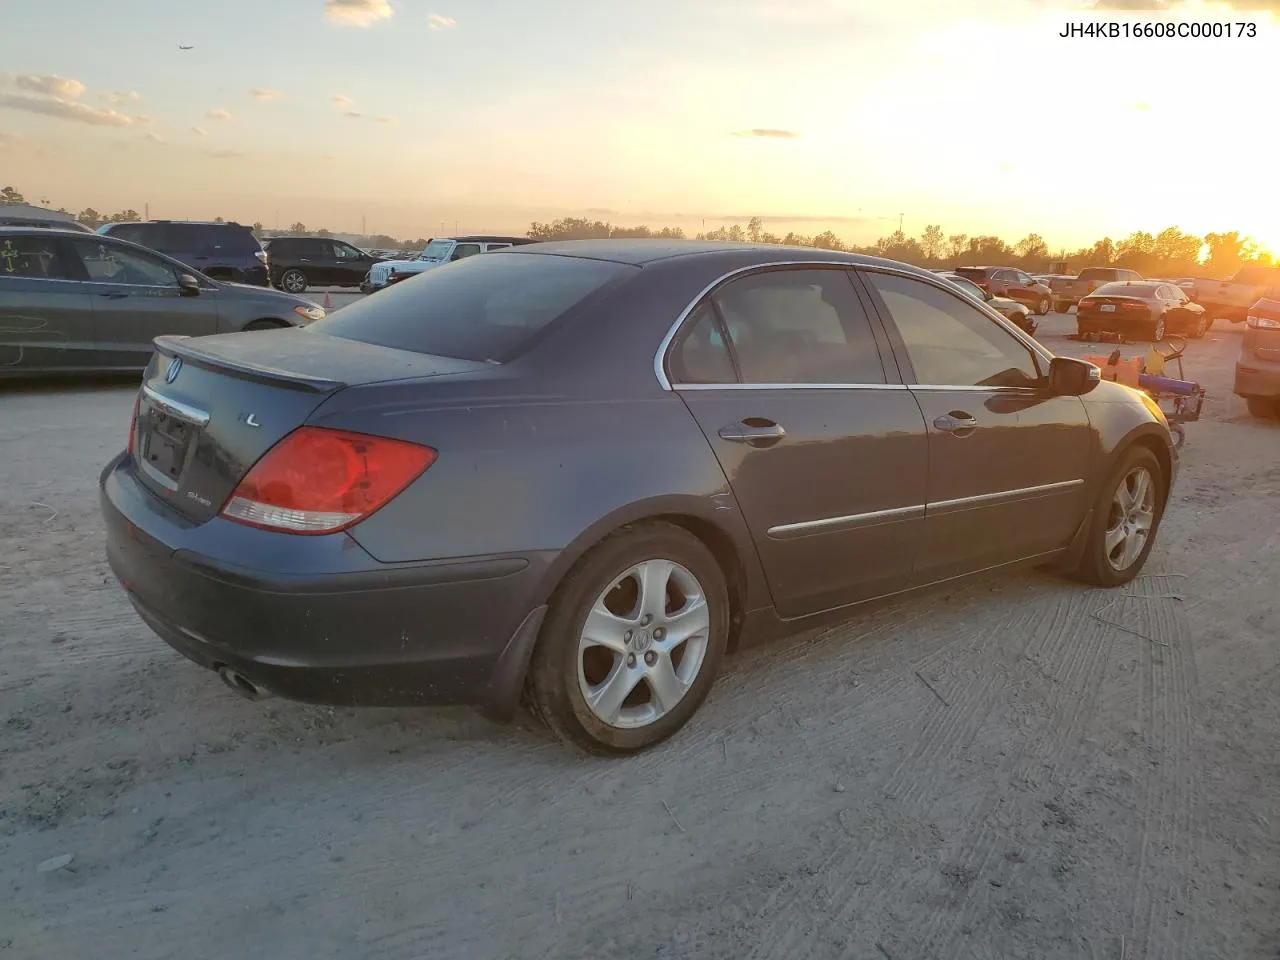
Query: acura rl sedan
x=576, y=475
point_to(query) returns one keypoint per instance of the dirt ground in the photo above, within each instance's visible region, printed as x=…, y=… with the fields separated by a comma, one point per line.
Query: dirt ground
x=1097, y=775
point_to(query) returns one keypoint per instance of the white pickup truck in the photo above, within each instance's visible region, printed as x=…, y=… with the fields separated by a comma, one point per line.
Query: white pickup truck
x=1231, y=299
x=437, y=251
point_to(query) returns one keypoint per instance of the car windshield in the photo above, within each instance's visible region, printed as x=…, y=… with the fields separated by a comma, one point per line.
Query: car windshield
x=436, y=250
x=489, y=308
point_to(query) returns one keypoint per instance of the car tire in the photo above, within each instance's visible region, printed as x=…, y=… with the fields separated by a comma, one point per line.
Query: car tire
x=1061, y=307
x=1200, y=328
x=570, y=676
x=1158, y=331
x=1042, y=306
x=1108, y=559
x=293, y=281
x=1265, y=408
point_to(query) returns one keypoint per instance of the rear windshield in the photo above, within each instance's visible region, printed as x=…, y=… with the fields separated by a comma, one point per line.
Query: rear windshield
x=971, y=271
x=1122, y=289
x=1097, y=273
x=133, y=232
x=489, y=308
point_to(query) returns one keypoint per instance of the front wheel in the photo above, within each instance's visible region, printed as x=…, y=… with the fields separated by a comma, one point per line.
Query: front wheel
x=1266, y=408
x=632, y=641
x=1158, y=331
x=294, y=281
x=1125, y=519
x=1042, y=307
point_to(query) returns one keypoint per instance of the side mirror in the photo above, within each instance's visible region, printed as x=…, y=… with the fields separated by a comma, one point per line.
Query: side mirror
x=1069, y=377
x=188, y=285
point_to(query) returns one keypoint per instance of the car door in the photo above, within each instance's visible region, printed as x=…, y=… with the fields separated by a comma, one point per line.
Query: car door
x=825, y=451
x=1027, y=292
x=136, y=298
x=46, y=313
x=1007, y=459
x=349, y=264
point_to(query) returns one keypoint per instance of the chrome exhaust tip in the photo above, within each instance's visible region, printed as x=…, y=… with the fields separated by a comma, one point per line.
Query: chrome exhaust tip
x=241, y=685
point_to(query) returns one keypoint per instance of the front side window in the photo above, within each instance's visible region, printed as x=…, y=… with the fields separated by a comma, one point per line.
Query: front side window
x=465, y=250
x=109, y=263
x=799, y=326
x=949, y=341
x=33, y=258
x=344, y=251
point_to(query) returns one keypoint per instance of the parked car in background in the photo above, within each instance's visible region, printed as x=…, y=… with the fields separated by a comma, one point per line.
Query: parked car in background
x=221, y=251
x=1012, y=283
x=437, y=251
x=296, y=263
x=1231, y=299
x=1010, y=309
x=34, y=219
x=72, y=302
x=677, y=448
x=1142, y=309
x=1257, y=376
x=1069, y=291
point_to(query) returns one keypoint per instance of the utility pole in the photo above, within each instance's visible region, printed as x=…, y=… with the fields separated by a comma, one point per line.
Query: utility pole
x=146, y=211
x=900, y=216
x=364, y=232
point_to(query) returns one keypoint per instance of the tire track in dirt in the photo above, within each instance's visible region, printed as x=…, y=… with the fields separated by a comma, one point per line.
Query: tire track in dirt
x=943, y=730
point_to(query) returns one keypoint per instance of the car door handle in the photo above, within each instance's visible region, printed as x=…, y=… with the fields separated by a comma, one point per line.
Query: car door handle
x=754, y=431
x=114, y=295
x=956, y=422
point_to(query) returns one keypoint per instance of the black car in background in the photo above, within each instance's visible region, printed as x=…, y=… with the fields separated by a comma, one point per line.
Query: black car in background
x=1145, y=309
x=221, y=251
x=74, y=302
x=296, y=263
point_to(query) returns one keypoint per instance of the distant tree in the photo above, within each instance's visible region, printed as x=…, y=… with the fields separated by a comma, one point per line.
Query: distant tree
x=218, y=220
x=755, y=229
x=828, y=241
x=11, y=195
x=1102, y=253
x=957, y=244
x=257, y=229
x=322, y=232
x=898, y=246
x=933, y=242
x=90, y=218
x=1032, y=250
x=1179, y=249
x=298, y=228
x=123, y=216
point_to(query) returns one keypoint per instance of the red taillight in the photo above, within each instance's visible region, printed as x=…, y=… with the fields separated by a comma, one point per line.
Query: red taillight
x=133, y=423
x=318, y=480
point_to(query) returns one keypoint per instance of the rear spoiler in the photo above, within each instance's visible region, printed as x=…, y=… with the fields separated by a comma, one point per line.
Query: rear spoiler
x=191, y=350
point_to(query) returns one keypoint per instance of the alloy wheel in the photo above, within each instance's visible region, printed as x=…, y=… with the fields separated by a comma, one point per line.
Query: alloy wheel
x=1158, y=333
x=294, y=281
x=643, y=644
x=1131, y=519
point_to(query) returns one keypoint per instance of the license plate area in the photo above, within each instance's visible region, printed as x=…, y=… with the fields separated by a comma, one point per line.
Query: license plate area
x=166, y=441
x=1108, y=308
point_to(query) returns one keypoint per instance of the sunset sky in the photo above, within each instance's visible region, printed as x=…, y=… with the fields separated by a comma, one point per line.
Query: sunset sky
x=814, y=114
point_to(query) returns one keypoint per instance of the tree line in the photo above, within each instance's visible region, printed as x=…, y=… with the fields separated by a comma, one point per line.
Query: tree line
x=1168, y=253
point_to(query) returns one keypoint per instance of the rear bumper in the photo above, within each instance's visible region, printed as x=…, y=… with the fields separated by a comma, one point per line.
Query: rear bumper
x=317, y=619
x=1113, y=323
x=1257, y=378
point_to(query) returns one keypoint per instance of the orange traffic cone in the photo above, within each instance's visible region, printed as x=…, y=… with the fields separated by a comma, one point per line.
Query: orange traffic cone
x=327, y=304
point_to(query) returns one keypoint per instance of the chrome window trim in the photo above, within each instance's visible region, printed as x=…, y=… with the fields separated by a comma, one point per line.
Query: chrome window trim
x=659, y=357
x=787, y=531
x=176, y=408
x=14, y=276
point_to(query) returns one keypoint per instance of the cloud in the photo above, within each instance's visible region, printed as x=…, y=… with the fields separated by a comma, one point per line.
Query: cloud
x=259, y=94
x=218, y=115
x=200, y=131
x=340, y=100
x=391, y=120
x=69, y=110
x=439, y=22
x=357, y=13
x=51, y=85
x=766, y=133
x=122, y=96
x=1169, y=5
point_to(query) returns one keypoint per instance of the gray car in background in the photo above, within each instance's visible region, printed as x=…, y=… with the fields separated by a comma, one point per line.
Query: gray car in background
x=72, y=302
x=578, y=474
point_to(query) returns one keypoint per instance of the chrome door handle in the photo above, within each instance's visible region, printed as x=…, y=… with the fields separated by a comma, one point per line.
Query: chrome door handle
x=759, y=433
x=956, y=422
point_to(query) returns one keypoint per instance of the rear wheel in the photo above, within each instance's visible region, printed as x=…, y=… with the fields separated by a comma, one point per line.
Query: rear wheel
x=632, y=641
x=1200, y=327
x=1268, y=408
x=1125, y=519
x=294, y=281
x=1042, y=306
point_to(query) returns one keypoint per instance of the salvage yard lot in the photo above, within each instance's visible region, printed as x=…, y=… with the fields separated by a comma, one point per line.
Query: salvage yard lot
x=1019, y=767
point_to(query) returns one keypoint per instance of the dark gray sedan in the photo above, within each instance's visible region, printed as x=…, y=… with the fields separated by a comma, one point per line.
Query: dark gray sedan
x=72, y=302
x=580, y=473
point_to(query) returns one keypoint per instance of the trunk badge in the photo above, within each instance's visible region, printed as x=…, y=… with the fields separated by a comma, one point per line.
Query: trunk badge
x=251, y=420
x=175, y=367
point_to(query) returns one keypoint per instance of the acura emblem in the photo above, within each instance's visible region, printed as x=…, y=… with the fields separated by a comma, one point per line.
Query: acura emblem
x=175, y=367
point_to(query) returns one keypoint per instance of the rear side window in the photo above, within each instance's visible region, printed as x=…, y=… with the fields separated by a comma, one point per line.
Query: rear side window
x=33, y=258
x=489, y=308
x=975, y=272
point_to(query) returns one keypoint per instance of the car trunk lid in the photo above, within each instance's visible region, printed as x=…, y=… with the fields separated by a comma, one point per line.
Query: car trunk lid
x=211, y=406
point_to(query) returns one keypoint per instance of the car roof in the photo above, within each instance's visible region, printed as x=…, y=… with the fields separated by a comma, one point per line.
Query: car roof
x=486, y=238
x=639, y=252
x=194, y=223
